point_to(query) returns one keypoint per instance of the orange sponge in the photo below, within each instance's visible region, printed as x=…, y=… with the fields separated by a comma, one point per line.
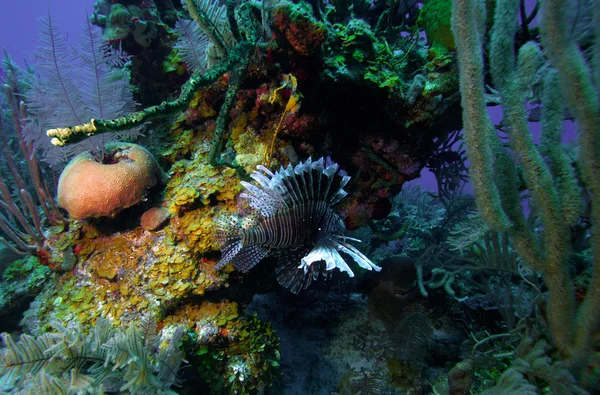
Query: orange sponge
x=89, y=187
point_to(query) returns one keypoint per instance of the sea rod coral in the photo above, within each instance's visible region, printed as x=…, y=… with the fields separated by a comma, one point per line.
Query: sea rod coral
x=548, y=174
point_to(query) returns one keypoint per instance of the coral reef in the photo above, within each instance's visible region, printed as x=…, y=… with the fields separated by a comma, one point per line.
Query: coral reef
x=136, y=272
x=348, y=56
x=234, y=354
x=142, y=29
x=460, y=378
x=299, y=27
x=466, y=299
x=89, y=187
x=435, y=19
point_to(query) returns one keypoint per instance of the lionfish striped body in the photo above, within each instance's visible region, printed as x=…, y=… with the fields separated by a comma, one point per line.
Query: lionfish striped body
x=295, y=223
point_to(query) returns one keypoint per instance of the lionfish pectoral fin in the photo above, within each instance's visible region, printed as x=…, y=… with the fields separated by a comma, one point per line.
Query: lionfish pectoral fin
x=230, y=248
x=248, y=257
x=358, y=256
x=325, y=250
x=228, y=236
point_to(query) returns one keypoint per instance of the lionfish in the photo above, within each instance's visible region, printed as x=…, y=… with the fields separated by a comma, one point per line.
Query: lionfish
x=293, y=221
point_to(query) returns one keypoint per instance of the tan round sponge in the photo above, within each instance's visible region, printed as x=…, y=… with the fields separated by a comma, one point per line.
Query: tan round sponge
x=89, y=187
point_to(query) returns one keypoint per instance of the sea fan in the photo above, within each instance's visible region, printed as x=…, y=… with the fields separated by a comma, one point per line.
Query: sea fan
x=55, y=95
x=105, y=90
x=214, y=15
x=294, y=223
x=191, y=44
x=204, y=41
x=74, y=84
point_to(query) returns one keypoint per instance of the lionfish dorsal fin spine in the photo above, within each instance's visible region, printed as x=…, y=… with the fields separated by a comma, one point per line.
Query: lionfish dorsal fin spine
x=318, y=167
x=293, y=192
x=278, y=195
x=309, y=178
x=298, y=181
x=329, y=173
x=265, y=170
x=340, y=193
x=265, y=200
x=262, y=179
x=291, y=178
x=299, y=176
x=286, y=188
x=344, y=181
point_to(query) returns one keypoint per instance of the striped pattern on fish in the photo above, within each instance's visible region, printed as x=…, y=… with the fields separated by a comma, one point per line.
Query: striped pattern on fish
x=295, y=223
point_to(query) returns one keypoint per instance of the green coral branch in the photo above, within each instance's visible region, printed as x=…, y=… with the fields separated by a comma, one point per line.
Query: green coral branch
x=233, y=25
x=73, y=134
x=539, y=181
x=208, y=27
x=236, y=77
x=420, y=279
x=446, y=280
x=550, y=147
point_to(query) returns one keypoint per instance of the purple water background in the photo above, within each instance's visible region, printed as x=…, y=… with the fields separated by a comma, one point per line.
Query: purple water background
x=19, y=22
x=18, y=33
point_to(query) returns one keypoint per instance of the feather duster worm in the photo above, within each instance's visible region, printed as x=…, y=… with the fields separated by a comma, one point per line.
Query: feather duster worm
x=294, y=222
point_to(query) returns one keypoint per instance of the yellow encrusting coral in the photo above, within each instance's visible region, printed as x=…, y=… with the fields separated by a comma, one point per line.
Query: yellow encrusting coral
x=136, y=272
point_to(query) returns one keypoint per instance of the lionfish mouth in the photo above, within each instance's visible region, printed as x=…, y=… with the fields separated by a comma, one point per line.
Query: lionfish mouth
x=295, y=223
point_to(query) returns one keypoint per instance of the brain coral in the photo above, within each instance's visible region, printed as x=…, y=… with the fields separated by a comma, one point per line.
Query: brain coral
x=89, y=187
